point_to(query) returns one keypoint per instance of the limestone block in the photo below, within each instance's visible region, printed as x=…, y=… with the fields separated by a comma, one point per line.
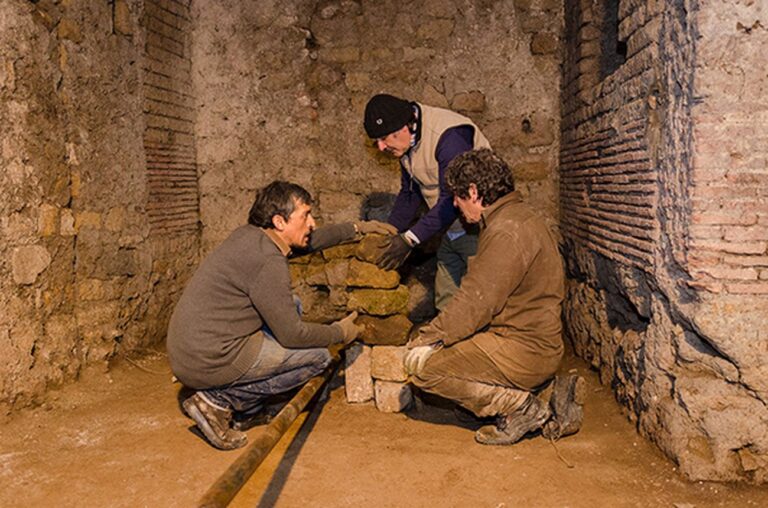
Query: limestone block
x=47, y=220
x=122, y=18
x=543, y=43
x=379, y=302
x=357, y=373
x=115, y=219
x=87, y=220
x=392, y=397
x=389, y=331
x=371, y=247
x=29, y=261
x=336, y=272
x=346, y=250
x=387, y=363
x=339, y=55
x=368, y=275
x=69, y=29
x=67, y=223
x=433, y=97
x=315, y=272
x=469, y=101
x=531, y=170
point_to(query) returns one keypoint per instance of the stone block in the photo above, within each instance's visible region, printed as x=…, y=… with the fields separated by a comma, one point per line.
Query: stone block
x=379, y=302
x=47, y=220
x=122, y=18
x=336, y=272
x=430, y=95
x=343, y=251
x=469, y=101
x=370, y=248
x=357, y=373
x=544, y=43
x=29, y=261
x=392, y=397
x=368, y=275
x=389, y=331
x=70, y=30
x=387, y=363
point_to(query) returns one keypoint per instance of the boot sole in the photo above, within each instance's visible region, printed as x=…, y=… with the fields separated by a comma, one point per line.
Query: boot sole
x=205, y=427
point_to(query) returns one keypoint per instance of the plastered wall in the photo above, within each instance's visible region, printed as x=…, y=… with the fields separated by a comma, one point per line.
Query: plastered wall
x=83, y=277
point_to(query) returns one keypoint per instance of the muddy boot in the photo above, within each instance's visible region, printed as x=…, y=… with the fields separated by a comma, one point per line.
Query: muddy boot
x=242, y=422
x=511, y=428
x=213, y=422
x=567, y=407
x=467, y=417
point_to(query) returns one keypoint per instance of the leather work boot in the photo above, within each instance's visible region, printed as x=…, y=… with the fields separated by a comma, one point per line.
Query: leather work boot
x=511, y=428
x=244, y=422
x=567, y=405
x=213, y=422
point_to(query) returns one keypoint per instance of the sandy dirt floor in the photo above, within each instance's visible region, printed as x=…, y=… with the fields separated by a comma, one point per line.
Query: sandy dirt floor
x=119, y=439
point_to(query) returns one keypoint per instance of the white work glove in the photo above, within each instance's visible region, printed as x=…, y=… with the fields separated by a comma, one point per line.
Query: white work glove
x=415, y=359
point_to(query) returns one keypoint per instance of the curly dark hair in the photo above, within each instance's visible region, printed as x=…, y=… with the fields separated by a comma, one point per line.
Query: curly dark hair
x=277, y=198
x=483, y=168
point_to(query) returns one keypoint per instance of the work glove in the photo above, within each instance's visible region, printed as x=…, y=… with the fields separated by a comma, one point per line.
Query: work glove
x=374, y=226
x=394, y=254
x=348, y=326
x=415, y=359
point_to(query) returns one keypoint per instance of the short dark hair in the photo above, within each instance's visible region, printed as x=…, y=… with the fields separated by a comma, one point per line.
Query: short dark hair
x=483, y=168
x=277, y=198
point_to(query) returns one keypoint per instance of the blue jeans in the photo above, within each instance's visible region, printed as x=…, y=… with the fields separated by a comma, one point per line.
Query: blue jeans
x=276, y=370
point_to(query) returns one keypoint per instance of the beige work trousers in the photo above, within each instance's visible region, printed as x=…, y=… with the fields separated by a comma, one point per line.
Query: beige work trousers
x=467, y=374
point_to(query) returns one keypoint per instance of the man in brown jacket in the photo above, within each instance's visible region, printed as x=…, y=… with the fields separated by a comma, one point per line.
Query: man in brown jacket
x=235, y=335
x=499, y=339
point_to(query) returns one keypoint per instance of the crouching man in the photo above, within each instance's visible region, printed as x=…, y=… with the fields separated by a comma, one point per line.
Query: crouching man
x=236, y=336
x=499, y=339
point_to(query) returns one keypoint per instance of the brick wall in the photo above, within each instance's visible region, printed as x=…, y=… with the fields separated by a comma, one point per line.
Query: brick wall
x=169, y=109
x=663, y=221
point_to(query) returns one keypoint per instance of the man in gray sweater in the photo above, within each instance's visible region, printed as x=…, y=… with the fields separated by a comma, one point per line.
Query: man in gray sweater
x=235, y=335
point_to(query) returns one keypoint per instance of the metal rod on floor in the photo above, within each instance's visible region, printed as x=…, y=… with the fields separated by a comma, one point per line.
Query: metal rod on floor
x=233, y=479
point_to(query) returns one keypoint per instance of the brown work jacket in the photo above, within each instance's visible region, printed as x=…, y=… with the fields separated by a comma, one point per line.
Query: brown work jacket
x=513, y=289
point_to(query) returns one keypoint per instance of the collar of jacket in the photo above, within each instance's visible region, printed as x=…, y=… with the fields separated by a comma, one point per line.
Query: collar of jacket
x=285, y=250
x=487, y=215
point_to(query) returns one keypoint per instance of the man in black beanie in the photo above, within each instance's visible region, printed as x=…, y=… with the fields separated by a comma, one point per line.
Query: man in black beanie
x=425, y=139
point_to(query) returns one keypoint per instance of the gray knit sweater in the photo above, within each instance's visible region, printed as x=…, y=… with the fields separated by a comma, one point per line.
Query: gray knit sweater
x=213, y=336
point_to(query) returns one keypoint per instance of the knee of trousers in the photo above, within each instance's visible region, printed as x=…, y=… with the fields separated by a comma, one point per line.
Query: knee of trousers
x=428, y=377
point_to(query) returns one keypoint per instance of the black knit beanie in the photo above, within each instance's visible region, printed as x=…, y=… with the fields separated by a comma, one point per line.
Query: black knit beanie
x=384, y=114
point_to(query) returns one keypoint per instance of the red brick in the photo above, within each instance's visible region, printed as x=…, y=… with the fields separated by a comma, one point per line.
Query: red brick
x=728, y=272
x=756, y=288
x=746, y=233
x=725, y=217
x=729, y=247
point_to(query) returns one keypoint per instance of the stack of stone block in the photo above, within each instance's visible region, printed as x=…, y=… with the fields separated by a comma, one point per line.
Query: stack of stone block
x=343, y=279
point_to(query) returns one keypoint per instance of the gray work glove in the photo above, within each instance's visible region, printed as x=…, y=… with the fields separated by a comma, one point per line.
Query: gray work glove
x=348, y=326
x=374, y=226
x=415, y=359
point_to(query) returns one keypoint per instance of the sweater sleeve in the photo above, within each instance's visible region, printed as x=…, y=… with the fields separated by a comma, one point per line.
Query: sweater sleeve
x=453, y=142
x=406, y=203
x=270, y=293
x=328, y=236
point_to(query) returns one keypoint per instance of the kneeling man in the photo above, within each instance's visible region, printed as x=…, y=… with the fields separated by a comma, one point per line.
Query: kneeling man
x=499, y=339
x=236, y=336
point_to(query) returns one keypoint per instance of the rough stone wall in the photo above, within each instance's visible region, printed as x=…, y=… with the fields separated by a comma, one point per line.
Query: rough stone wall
x=80, y=277
x=281, y=87
x=663, y=218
